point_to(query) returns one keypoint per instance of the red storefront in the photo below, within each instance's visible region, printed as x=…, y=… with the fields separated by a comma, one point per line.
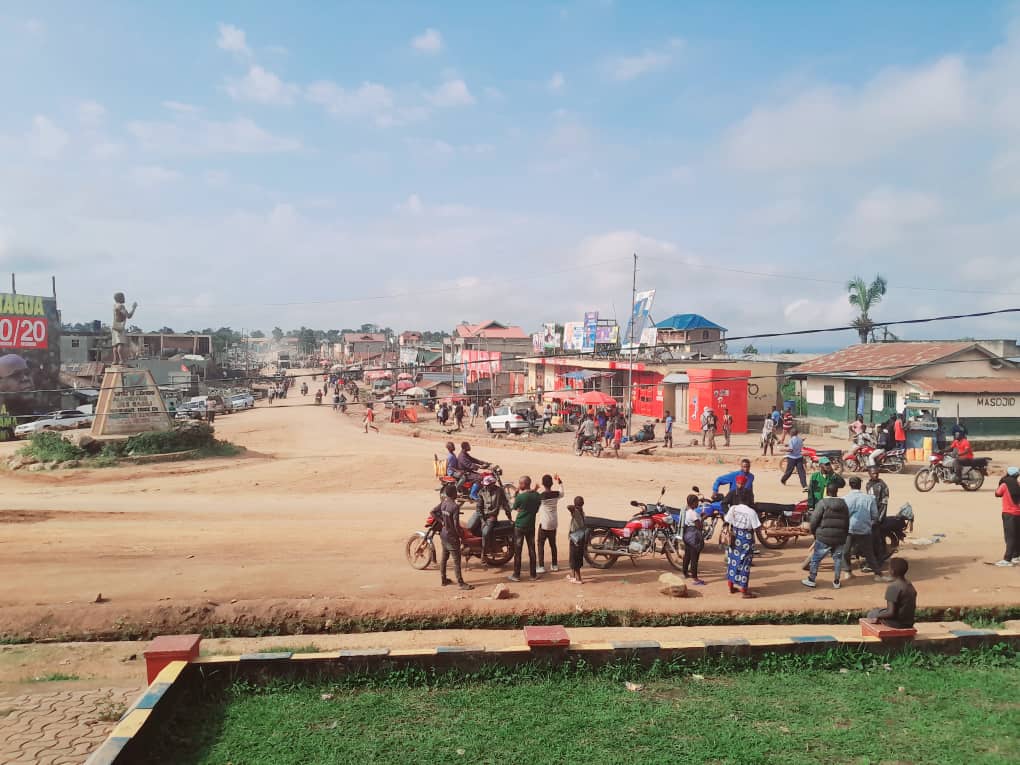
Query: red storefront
x=646, y=398
x=719, y=389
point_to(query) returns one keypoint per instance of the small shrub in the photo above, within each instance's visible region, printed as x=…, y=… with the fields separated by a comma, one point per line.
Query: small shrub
x=181, y=439
x=48, y=446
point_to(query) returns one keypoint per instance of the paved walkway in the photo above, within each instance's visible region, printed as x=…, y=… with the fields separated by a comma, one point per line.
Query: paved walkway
x=60, y=727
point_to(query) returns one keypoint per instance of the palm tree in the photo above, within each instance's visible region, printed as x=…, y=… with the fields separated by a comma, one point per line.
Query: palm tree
x=863, y=297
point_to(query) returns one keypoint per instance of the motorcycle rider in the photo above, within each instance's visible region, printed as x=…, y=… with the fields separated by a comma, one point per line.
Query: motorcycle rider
x=452, y=468
x=881, y=444
x=963, y=453
x=586, y=431
x=491, y=499
x=469, y=466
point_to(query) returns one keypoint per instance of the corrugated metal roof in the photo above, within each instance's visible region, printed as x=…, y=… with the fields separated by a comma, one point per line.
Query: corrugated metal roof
x=881, y=360
x=969, y=385
x=676, y=378
x=687, y=321
x=491, y=329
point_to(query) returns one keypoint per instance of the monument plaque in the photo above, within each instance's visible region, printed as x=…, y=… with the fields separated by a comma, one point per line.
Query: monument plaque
x=129, y=403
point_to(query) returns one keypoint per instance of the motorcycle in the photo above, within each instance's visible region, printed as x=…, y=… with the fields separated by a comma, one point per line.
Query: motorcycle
x=464, y=492
x=710, y=510
x=811, y=457
x=942, y=469
x=592, y=446
x=651, y=531
x=782, y=522
x=891, y=461
x=420, y=547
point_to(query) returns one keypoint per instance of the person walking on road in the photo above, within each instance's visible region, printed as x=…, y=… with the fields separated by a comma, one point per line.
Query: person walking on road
x=694, y=540
x=1009, y=490
x=830, y=523
x=794, y=459
x=474, y=413
x=711, y=425
x=744, y=525
x=369, y=421
x=787, y=425
x=526, y=504
x=863, y=511
x=727, y=426
x=879, y=489
x=820, y=480
x=447, y=514
x=667, y=437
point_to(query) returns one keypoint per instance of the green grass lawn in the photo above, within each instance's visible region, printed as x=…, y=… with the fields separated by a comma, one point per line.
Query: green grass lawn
x=920, y=710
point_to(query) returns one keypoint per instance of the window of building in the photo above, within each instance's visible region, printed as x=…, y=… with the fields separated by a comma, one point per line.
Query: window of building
x=889, y=400
x=75, y=342
x=704, y=335
x=830, y=394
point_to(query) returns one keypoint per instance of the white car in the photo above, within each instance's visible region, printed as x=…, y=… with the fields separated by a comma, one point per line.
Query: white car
x=240, y=401
x=65, y=419
x=507, y=420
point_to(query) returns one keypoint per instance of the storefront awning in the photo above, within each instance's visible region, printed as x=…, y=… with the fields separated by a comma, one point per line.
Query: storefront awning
x=676, y=378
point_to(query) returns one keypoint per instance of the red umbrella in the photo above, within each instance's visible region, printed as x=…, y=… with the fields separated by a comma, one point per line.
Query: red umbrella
x=594, y=398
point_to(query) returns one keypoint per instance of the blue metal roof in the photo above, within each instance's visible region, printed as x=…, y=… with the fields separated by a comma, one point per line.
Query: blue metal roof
x=688, y=321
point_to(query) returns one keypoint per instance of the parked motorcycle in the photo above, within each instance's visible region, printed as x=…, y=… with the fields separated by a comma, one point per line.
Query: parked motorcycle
x=782, y=522
x=710, y=510
x=464, y=492
x=420, y=547
x=891, y=461
x=592, y=446
x=811, y=457
x=652, y=531
x=942, y=469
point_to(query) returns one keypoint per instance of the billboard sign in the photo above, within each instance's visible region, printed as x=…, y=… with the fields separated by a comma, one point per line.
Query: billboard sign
x=606, y=334
x=573, y=336
x=29, y=355
x=639, y=315
x=591, y=323
x=550, y=337
x=537, y=340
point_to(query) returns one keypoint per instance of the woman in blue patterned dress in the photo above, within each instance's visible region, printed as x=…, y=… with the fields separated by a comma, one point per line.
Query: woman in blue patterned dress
x=745, y=524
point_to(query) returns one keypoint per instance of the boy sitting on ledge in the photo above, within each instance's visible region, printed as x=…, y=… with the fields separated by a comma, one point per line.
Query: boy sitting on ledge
x=900, y=599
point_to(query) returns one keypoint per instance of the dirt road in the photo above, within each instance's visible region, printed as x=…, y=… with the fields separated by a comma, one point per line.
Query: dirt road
x=309, y=527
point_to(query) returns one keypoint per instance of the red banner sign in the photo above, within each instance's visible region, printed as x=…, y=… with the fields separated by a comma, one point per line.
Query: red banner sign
x=23, y=333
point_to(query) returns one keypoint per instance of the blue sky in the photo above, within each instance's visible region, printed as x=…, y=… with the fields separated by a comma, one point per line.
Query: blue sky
x=418, y=164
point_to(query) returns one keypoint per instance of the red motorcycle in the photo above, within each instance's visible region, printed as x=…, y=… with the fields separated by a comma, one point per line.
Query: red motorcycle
x=942, y=469
x=811, y=457
x=891, y=461
x=781, y=522
x=652, y=531
x=421, y=548
x=464, y=492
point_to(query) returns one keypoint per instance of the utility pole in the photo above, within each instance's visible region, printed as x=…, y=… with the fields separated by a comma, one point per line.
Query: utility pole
x=630, y=375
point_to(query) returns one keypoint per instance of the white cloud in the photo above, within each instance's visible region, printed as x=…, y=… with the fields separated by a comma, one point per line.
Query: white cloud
x=46, y=139
x=91, y=113
x=180, y=107
x=149, y=176
x=556, y=82
x=368, y=100
x=885, y=215
x=830, y=126
x=810, y=312
x=412, y=205
x=196, y=136
x=415, y=206
x=261, y=86
x=623, y=68
x=283, y=215
x=429, y=41
x=781, y=212
x=232, y=39
x=451, y=93
x=438, y=149
x=106, y=150
x=33, y=26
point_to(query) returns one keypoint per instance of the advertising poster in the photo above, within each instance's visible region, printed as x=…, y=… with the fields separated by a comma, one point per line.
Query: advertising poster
x=550, y=337
x=573, y=336
x=591, y=323
x=537, y=340
x=607, y=334
x=639, y=316
x=29, y=355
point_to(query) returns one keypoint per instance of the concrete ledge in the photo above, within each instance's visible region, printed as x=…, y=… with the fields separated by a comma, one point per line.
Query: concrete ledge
x=736, y=646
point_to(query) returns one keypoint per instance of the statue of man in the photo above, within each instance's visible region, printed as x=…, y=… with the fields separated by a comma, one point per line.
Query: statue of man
x=120, y=316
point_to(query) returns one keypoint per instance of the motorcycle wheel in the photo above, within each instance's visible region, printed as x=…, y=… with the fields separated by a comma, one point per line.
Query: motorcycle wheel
x=972, y=480
x=773, y=542
x=420, y=551
x=893, y=466
x=783, y=463
x=503, y=555
x=925, y=480
x=596, y=450
x=601, y=539
x=674, y=554
x=852, y=465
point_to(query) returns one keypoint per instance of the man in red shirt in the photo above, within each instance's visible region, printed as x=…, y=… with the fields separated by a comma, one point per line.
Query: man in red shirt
x=964, y=455
x=899, y=433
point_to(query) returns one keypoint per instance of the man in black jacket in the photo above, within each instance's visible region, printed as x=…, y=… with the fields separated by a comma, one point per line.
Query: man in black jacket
x=830, y=523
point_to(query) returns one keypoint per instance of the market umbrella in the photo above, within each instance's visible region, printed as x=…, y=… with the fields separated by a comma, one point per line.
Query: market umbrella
x=404, y=384
x=560, y=394
x=594, y=398
x=416, y=392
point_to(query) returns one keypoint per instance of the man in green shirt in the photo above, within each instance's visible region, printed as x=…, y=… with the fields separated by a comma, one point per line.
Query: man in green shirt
x=820, y=480
x=526, y=504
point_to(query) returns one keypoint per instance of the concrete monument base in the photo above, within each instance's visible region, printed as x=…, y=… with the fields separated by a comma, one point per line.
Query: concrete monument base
x=129, y=403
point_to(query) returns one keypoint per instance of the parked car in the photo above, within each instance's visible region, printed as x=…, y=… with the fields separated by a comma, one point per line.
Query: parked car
x=240, y=401
x=190, y=410
x=65, y=419
x=216, y=402
x=507, y=420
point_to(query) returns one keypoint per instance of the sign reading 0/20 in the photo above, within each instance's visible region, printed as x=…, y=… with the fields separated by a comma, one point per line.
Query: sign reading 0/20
x=23, y=333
